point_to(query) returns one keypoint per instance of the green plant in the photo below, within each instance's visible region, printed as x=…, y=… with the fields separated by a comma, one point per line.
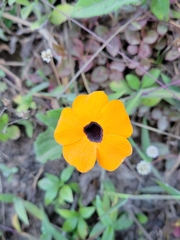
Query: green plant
x=8, y=132
x=57, y=190
x=7, y=171
x=75, y=221
x=45, y=146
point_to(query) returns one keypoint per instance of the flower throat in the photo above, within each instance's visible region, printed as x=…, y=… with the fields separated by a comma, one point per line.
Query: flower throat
x=94, y=132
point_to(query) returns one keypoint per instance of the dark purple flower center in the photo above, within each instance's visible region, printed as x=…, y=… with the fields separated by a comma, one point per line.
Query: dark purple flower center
x=94, y=132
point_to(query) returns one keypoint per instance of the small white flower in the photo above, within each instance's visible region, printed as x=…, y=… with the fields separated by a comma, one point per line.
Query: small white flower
x=46, y=55
x=143, y=168
x=152, y=151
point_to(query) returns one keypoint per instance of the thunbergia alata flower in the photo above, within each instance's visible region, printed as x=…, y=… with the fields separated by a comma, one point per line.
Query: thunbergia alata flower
x=94, y=129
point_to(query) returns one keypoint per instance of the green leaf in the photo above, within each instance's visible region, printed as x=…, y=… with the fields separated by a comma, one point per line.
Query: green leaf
x=133, y=81
x=82, y=228
x=142, y=218
x=2, y=36
x=167, y=188
x=26, y=11
x=65, y=213
x=50, y=118
x=70, y=224
x=108, y=234
x=151, y=101
x=15, y=223
x=123, y=222
x=112, y=211
x=38, y=88
x=160, y=8
x=165, y=78
x=86, y=212
x=147, y=81
x=24, y=103
x=13, y=132
x=57, y=235
x=3, y=121
x=145, y=139
x=33, y=210
x=7, y=197
x=66, y=194
x=45, y=184
x=120, y=87
x=28, y=127
x=46, y=147
x=3, y=86
x=133, y=103
x=23, y=2
x=53, y=178
x=105, y=219
x=75, y=187
x=2, y=73
x=106, y=201
x=57, y=17
x=7, y=171
x=10, y=2
x=89, y=8
x=51, y=194
x=51, y=229
x=66, y=174
x=20, y=210
x=39, y=23
x=174, y=14
x=46, y=236
x=98, y=228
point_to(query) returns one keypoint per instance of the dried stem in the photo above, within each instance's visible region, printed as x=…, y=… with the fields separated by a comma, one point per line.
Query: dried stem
x=146, y=234
x=16, y=19
x=155, y=130
x=55, y=72
x=13, y=76
x=85, y=82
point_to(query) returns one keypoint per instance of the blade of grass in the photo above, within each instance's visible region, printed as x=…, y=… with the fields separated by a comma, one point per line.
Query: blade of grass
x=155, y=130
x=142, y=155
x=144, y=196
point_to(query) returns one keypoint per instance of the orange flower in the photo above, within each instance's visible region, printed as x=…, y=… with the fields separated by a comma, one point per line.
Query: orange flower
x=94, y=128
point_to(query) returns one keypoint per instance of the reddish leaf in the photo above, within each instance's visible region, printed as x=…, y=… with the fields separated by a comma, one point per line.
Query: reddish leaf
x=161, y=43
x=77, y=48
x=137, y=25
x=145, y=64
x=132, y=49
x=99, y=74
x=162, y=29
x=150, y=37
x=144, y=51
x=102, y=31
x=65, y=68
x=116, y=45
x=101, y=60
x=115, y=75
x=119, y=66
x=132, y=38
x=91, y=46
x=82, y=62
x=172, y=54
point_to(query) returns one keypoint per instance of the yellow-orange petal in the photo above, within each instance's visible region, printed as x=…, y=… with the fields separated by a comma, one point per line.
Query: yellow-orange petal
x=88, y=107
x=115, y=120
x=112, y=151
x=69, y=128
x=81, y=154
